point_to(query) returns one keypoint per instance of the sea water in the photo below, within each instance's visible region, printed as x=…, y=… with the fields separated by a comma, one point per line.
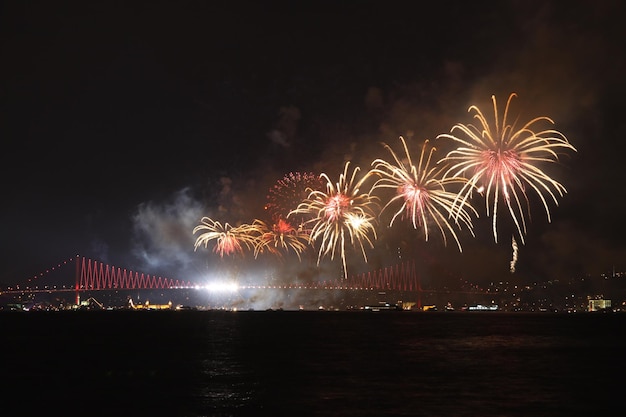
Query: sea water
x=312, y=363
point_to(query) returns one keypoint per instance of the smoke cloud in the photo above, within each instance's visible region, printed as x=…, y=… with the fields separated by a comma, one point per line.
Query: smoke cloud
x=162, y=234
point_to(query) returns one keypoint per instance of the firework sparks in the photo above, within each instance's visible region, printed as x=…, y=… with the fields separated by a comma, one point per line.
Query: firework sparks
x=420, y=191
x=288, y=192
x=229, y=240
x=502, y=161
x=281, y=236
x=341, y=215
x=514, y=260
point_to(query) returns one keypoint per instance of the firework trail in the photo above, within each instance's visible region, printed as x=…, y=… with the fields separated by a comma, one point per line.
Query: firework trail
x=502, y=161
x=229, y=240
x=281, y=236
x=514, y=260
x=259, y=236
x=341, y=215
x=420, y=192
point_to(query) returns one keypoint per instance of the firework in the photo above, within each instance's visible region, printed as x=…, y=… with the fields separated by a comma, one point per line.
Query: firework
x=229, y=240
x=502, y=162
x=420, y=192
x=281, y=236
x=288, y=192
x=341, y=215
x=515, y=250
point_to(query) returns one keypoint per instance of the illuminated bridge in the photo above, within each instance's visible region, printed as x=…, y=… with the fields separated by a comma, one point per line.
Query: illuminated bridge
x=91, y=275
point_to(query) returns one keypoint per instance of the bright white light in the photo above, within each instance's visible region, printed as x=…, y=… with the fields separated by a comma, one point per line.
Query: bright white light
x=222, y=286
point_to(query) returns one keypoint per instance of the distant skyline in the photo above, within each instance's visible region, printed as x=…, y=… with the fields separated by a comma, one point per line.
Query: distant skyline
x=124, y=125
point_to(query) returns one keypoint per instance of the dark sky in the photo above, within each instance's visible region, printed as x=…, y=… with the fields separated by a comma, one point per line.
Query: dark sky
x=124, y=123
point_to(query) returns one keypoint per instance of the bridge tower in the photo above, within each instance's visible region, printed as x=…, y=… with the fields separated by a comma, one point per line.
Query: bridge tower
x=419, y=291
x=77, y=280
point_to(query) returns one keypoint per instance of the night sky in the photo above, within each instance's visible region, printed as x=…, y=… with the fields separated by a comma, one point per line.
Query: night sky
x=124, y=123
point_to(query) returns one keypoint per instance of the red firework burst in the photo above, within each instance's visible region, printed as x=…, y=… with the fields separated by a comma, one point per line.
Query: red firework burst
x=289, y=192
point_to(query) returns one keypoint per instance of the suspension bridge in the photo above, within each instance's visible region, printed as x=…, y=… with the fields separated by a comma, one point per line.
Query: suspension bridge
x=91, y=275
